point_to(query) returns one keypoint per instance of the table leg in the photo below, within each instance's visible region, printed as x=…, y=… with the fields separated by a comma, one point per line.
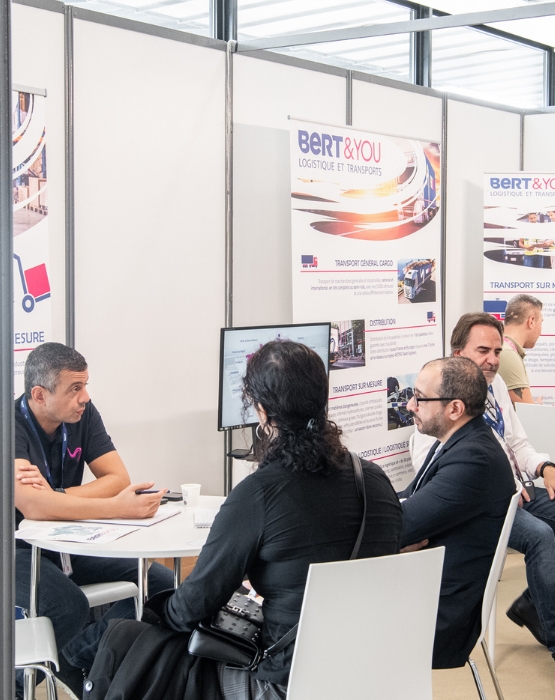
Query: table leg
x=176, y=571
x=30, y=673
x=143, y=586
x=35, y=578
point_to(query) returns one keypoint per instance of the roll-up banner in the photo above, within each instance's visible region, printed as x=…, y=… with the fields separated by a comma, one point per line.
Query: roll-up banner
x=32, y=302
x=366, y=241
x=519, y=258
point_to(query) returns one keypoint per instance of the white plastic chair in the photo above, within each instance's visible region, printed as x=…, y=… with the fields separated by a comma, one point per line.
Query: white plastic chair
x=490, y=595
x=367, y=629
x=97, y=594
x=110, y=592
x=35, y=648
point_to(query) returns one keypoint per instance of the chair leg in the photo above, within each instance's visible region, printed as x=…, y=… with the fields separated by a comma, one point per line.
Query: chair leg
x=50, y=680
x=493, y=674
x=477, y=679
x=52, y=690
x=29, y=684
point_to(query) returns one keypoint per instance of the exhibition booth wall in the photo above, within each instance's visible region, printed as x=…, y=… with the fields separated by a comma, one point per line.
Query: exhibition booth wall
x=153, y=252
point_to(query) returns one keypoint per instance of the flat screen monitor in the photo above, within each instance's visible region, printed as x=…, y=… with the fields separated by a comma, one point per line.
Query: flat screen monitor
x=237, y=345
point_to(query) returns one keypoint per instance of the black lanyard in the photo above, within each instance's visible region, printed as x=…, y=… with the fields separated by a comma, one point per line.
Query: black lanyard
x=24, y=408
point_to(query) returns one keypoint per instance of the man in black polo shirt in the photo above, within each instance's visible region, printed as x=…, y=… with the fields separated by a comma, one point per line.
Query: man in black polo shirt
x=57, y=431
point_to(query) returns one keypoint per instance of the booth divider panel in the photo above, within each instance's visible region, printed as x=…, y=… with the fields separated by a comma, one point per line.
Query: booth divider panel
x=480, y=140
x=150, y=241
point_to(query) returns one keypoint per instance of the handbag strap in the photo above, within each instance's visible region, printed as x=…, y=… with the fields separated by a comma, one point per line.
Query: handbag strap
x=359, y=481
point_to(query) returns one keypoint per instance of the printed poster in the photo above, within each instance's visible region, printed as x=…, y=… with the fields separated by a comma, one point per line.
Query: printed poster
x=32, y=301
x=519, y=258
x=366, y=244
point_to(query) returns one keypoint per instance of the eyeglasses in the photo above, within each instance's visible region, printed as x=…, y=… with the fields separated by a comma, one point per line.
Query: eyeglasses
x=418, y=400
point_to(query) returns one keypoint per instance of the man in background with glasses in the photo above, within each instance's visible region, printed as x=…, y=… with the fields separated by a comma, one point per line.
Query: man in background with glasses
x=443, y=505
x=479, y=337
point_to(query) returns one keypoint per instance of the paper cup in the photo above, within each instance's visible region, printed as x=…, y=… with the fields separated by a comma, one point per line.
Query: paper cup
x=191, y=494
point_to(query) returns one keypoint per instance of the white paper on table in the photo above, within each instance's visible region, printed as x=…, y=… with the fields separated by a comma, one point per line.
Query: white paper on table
x=204, y=517
x=163, y=513
x=74, y=532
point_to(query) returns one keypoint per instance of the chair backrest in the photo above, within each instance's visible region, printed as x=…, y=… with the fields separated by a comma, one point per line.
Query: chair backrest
x=35, y=642
x=498, y=562
x=109, y=592
x=367, y=629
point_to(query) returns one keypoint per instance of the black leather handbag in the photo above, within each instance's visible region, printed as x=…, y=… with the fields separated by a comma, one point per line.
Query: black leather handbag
x=232, y=635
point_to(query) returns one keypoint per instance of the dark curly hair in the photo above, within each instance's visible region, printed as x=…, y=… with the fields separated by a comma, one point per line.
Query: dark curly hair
x=288, y=380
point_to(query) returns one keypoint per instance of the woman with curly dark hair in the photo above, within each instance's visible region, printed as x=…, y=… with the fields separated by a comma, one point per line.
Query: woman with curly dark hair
x=288, y=386
x=299, y=507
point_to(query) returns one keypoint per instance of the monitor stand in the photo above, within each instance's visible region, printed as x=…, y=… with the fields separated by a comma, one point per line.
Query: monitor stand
x=246, y=454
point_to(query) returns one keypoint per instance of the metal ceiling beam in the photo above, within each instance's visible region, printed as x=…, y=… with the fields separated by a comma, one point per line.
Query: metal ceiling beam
x=421, y=44
x=468, y=19
x=549, y=78
x=223, y=19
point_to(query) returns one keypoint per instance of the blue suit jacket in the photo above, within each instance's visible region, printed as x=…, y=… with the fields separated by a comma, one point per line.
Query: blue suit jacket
x=461, y=503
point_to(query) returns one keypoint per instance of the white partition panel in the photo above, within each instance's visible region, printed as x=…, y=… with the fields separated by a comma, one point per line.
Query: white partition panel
x=479, y=139
x=265, y=94
x=38, y=62
x=539, y=144
x=149, y=195
x=538, y=420
x=388, y=110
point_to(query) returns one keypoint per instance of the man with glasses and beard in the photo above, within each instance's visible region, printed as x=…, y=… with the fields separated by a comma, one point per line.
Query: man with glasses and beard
x=479, y=337
x=459, y=498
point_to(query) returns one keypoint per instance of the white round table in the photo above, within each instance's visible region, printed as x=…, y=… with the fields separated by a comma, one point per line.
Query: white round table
x=174, y=537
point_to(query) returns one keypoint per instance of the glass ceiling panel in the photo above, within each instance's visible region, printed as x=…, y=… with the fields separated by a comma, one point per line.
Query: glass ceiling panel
x=187, y=15
x=539, y=29
x=272, y=17
x=478, y=65
x=387, y=56
x=464, y=61
x=378, y=56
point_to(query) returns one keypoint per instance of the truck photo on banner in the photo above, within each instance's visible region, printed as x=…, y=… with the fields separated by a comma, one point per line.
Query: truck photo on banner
x=32, y=302
x=519, y=258
x=366, y=246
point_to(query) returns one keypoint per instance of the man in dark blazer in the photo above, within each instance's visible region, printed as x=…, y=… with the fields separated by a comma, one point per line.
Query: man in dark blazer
x=458, y=499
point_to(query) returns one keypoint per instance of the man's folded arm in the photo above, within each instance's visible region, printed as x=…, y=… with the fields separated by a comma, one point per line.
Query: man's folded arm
x=47, y=504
